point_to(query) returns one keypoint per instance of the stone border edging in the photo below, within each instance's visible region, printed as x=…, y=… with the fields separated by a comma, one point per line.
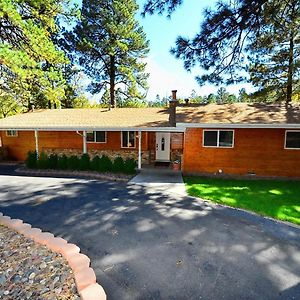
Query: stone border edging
x=84, y=174
x=85, y=277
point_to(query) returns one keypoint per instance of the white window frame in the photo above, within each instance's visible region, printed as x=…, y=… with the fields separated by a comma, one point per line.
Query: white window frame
x=218, y=138
x=13, y=135
x=94, y=142
x=285, y=136
x=128, y=139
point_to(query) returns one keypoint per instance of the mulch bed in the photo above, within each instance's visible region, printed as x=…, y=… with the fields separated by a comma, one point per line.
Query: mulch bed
x=32, y=271
x=85, y=174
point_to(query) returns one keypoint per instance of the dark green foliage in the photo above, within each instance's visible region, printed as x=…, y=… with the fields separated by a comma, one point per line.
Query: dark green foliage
x=256, y=41
x=31, y=161
x=129, y=166
x=106, y=164
x=52, y=161
x=73, y=163
x=111, y=46
x=43, y=161
x=62, y=162
x=85, y=162
x=118, y=165
x=95, y=163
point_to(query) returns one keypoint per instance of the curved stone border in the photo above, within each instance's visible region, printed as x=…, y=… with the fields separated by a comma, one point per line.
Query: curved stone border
x=85, y=277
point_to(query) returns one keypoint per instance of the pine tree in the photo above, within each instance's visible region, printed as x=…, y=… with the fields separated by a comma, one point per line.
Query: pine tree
x=275, y=53
x=260, y=37
x=112, y=46
x=29, y=60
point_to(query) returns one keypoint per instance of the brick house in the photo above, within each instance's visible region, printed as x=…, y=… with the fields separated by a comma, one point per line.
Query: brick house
x=235, y=138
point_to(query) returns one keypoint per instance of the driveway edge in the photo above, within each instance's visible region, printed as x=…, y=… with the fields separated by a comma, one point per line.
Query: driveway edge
x=85, y=277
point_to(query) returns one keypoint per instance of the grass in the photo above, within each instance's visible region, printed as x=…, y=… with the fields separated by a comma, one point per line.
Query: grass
x=276, y=199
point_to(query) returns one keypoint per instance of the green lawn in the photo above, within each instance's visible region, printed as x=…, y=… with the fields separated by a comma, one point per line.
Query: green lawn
x=277, y=199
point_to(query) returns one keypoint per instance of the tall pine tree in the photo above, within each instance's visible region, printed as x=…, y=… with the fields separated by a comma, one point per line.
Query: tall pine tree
x=258, y=36
x=29, y=60
x=112, y=46
x=275, y=52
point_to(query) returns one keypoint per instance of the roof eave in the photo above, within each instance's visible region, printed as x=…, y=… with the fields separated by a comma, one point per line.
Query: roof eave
x=92, y=128
x=240, y=125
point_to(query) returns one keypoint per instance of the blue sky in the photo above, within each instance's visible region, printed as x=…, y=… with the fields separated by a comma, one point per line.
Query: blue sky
x=166, y=72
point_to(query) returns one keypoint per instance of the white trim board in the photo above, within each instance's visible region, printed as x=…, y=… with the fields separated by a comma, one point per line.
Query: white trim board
x=142, y=129
x=238, y=125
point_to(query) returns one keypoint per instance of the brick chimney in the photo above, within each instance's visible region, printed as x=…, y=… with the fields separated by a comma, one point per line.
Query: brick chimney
x=172, y=109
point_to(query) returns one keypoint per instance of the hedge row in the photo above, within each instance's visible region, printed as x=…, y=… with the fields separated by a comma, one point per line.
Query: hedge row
x=84, y=163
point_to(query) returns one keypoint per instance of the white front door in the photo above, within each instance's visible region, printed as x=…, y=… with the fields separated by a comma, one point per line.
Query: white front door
x=163, y=146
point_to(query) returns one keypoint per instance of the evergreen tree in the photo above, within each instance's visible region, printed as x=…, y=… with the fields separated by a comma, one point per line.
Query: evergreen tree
x=260, y=36
x=29, y=60
x=275, y=53
x=112, y=46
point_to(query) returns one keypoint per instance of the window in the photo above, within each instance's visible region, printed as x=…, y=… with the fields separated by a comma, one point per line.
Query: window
x=11, y=133
x=96, y=136
x=128, y=139
x=292, y=139
x=218, y=138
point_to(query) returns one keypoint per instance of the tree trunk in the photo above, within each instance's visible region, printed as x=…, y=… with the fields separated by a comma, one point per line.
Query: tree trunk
x=112, y=81
x=289, y=87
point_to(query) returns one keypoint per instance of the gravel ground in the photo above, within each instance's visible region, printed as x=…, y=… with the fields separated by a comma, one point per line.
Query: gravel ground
x=32, y=271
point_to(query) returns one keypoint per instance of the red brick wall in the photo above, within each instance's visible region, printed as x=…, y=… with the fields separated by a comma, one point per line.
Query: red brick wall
x=19, y=146
x=255, y=150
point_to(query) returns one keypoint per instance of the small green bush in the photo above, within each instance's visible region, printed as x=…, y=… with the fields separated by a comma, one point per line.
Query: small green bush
x=52, y=161
x=85, y=162
x=129, y=166
x=95, y=163
x=105, y=164
x=43, y=162
x=31, y=160
x=62, y=162
x=73, y=162
x=118, y=165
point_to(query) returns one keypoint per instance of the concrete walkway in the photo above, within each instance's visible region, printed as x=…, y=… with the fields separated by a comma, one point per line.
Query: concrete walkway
x=162, y=180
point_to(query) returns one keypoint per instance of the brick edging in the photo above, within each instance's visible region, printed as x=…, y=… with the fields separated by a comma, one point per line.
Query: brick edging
x=85, y=277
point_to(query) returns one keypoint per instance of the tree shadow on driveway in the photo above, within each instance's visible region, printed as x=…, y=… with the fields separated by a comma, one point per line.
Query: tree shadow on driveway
x=148, y=244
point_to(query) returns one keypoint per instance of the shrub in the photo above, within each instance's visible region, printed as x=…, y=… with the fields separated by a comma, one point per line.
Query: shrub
x=129, y=166
x=31, y=160
x=62, y=162
x=95, y=163
x=52, y=161
x=118, y=165
x=43, y=161
x=73, y=163
x=105, y=164
x=84, y=162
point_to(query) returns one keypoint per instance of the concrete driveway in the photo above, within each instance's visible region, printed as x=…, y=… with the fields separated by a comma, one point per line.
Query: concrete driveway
x=150, y=244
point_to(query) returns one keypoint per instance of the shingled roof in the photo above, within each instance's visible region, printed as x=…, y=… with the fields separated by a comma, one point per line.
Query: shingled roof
x=120, y=118
x=88, y=118
x=239, y=113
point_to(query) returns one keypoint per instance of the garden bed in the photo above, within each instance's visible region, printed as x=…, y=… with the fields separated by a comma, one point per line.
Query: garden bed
x=97, y=167
x=70, y=173
x=32, y=271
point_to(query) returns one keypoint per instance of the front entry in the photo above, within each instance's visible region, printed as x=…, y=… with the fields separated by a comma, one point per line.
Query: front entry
x=163, y=146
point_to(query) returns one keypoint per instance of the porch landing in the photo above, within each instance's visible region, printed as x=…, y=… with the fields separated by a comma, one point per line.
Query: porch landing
x=164, y=180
